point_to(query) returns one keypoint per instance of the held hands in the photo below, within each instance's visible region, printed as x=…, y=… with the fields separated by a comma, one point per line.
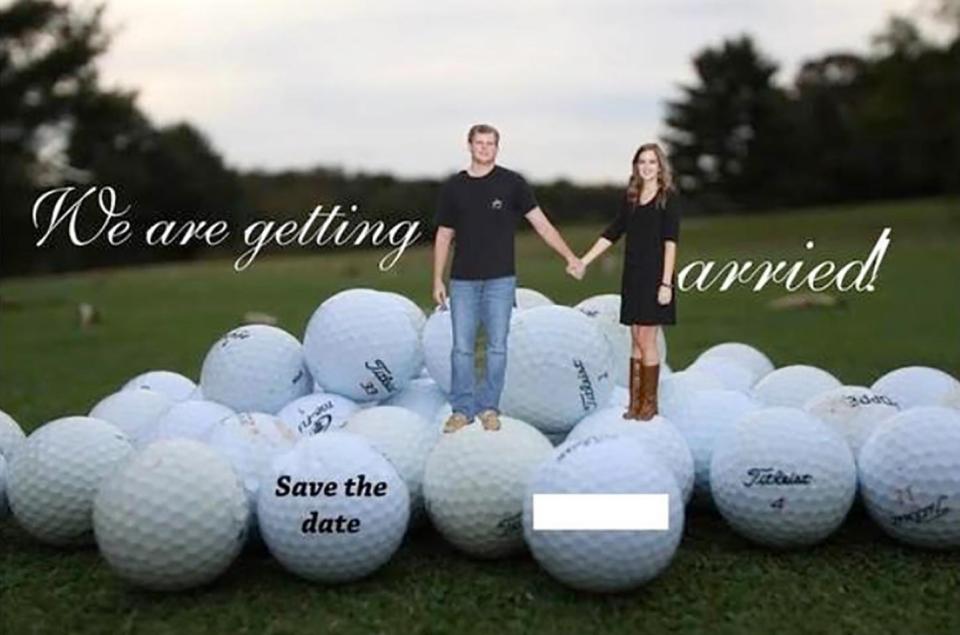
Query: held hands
x=664, y=294
x=576, y=268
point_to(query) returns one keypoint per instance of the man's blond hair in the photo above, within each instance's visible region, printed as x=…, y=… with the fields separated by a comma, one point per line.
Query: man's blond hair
x=482, y=128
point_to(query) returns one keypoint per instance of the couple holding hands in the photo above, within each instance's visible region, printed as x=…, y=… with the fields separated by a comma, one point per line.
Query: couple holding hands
x=478, y=210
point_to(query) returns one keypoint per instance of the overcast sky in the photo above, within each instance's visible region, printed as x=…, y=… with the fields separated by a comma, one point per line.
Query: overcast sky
x=393, y=86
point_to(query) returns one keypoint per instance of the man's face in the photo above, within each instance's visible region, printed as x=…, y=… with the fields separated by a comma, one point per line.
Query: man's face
x=483, y=148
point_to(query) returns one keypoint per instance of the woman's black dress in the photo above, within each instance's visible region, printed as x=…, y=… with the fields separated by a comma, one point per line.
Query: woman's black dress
x=647, y=227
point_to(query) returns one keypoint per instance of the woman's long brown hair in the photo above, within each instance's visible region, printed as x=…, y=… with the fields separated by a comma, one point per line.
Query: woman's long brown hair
x=664, y=178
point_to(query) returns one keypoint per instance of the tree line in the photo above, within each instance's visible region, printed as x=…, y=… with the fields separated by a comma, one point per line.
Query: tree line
x=847, y=127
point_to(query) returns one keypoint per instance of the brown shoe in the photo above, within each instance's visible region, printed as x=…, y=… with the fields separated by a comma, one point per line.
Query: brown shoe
x=490, y=419
x=456, y=421
x=648, y=394
x=635, y=388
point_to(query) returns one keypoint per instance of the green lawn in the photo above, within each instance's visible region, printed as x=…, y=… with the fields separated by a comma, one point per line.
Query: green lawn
x=167, y=316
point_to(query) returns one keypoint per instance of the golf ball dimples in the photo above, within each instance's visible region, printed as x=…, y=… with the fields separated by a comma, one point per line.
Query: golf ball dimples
x=417, y=318
x=605, y=309
x=732, y=374
x=658, y=435
x=677, y=388
x=918, y=386
x=333, y=556
x=174, y=385
x=11, y=435
x=249, y=441
x=318, y=412
x=4, y=509
x=134, y=412
x=256, y=368
x=782, y=478
x=598, y=560
x=437, y=341
x=362, y=346
x=474, y=483
x=191, y=419
x=530, y=298
x=744, y=354
x=792, y=386
x=853, y=411
x=53, y=477
x=422, y=396
x=558, y=368
x=172, y=518
x=704, y=418
x=910, y=477
x=405, y=439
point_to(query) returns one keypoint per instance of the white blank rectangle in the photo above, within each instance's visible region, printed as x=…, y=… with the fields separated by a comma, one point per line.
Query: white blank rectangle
x=601, y=512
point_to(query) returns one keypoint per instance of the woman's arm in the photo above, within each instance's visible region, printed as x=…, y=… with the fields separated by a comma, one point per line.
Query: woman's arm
x=610, y=234
x=669, y=261
x=595, y=252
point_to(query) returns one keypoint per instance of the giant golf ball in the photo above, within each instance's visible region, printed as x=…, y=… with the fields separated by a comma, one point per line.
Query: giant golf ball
x=658, y=435
x=437, y=347
x=4, y=508
x=320, y=521
x=417, y=318
x=171, y=518
x=317, y=412
x=422, y=396
x=249, y=441
x=732, y=374
x=793, y=385
x=191, y=419
x=11, y=435
x=558, y=368
x=133, y=412
x=606, y=310
x=530, y=298
x=362, y=345
x=782, y=478
x=918, y=386
x=603, y=560
x=405, y=439
x=474, y=482
x=255, y=368
x=704, y=418
x=54, y=476
x=677, y=388
x=853, y=411
x=748, y=356
x=910, y=476
x=174, y=385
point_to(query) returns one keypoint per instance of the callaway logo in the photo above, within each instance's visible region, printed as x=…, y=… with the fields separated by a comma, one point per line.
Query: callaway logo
x=496, y=204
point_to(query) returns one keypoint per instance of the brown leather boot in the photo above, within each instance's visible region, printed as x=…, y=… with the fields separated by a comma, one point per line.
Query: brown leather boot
x=635, y=388
x=650, y=380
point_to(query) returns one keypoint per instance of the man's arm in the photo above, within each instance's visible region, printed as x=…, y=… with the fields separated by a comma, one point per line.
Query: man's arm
x=441, y=250
x=550, y=234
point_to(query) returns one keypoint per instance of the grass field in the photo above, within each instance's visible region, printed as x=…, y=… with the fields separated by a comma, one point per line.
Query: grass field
x=166, y=317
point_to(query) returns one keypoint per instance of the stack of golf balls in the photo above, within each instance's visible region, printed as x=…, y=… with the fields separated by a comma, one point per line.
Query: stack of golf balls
x=169, y=477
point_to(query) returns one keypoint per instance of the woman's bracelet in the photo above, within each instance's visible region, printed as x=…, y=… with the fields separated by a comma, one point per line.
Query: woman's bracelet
x=664, y=284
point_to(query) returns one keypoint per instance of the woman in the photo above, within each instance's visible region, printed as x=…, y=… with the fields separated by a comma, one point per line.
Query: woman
x=650, y=217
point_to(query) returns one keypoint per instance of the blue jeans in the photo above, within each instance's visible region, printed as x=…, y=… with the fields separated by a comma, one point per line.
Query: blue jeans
x=474, y=302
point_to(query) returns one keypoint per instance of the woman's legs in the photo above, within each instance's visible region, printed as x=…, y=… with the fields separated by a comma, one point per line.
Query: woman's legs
x=650, y=370
x=634, y=387
x=645, y=336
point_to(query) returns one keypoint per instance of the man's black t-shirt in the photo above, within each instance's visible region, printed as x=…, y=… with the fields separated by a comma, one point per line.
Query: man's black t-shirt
x=483, y=211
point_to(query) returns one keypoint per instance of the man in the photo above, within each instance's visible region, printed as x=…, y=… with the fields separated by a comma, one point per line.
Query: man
x=480, y=207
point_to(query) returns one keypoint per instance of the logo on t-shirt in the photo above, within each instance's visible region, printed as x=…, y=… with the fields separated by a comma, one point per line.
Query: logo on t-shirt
x=496, y=204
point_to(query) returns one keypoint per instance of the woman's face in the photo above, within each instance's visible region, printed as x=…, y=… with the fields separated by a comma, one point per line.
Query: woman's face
x=648, y=166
